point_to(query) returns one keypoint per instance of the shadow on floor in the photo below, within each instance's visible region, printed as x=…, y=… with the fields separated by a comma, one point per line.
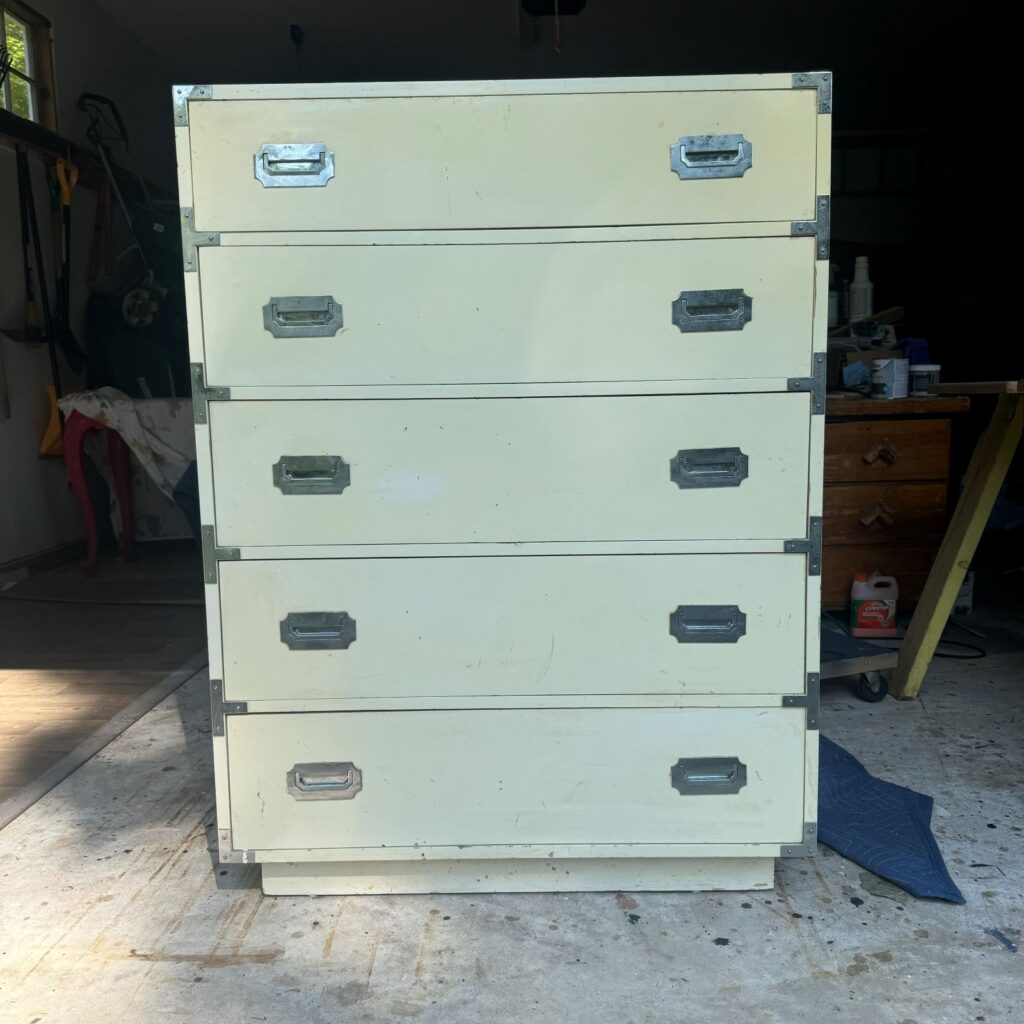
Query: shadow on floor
x=75, y=652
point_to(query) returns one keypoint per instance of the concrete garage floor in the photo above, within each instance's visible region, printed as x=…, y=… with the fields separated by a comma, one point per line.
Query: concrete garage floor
x=111, y=909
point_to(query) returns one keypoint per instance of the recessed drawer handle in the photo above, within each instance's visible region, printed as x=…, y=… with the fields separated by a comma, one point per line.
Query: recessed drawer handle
x=708, y=467
x=325, y=780
x=294, y=164
x=302, y=316
x=696, y=776
x=707, y=623
x=311, y=474
x=722, y=309
x=318, y=631
x=711, y=156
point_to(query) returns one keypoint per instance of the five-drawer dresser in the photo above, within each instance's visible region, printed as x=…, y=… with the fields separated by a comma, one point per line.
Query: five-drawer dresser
x=509, y=409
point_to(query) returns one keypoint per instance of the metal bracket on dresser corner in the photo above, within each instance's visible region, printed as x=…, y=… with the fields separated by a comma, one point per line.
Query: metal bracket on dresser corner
x=820, y=227
x=820, y=80
x=808, y=847
x=809, y=546
x=815, y=384
x=213, y=554
x=810, y=700
x=227, y=854
x=219, y=707
x=192, y=239
x=180, y=97
x=202, y=395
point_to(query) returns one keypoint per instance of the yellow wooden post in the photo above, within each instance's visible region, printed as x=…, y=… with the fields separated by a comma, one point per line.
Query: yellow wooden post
x=984, y=478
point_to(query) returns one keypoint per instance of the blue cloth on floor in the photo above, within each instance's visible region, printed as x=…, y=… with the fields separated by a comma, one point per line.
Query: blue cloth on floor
x=883, y=827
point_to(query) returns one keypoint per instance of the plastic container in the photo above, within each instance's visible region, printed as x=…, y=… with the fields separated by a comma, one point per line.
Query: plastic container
x=916, y=350
x=889, y=378
x=862, y=291
x=873, y=605
x=922, y=377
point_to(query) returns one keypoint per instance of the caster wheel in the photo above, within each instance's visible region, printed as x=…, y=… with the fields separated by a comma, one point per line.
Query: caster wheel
x=872, y=687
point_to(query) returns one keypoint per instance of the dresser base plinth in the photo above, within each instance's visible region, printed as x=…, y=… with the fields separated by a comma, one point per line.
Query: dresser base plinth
x=362, y=878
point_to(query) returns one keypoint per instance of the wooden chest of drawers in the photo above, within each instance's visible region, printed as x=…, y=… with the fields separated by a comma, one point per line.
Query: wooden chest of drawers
x=886, y=492
x=509, y=408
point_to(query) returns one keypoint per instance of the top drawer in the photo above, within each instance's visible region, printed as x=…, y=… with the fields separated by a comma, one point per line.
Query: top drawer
x=566, y=160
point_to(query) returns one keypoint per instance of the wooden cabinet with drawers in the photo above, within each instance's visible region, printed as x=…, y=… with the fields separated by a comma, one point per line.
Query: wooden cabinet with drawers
x=886, y=491
x=509, y=411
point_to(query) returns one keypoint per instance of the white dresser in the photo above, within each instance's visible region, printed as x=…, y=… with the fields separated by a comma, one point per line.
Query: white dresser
x=509, y=417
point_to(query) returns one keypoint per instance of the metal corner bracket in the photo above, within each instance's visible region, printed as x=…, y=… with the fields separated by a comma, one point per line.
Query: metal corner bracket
x=820, y=227
x=180, y=96
x=809, y=546
x=192, y=239
x=202, y=395
x=810, y=700
x=219, y=707
x=808, y=847
x=213, y=554
x=815, y=383
x=820, y=80
x=227, y=854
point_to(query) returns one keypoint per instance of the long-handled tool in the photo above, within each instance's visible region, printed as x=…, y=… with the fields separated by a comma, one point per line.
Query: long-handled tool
x=67, y=179
x=32, y=328
x=28, y=201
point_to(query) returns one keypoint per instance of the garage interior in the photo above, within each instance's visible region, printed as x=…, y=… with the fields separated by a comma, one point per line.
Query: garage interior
x=115, y=904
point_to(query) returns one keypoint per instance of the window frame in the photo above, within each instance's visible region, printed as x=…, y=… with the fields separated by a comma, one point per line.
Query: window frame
x=40, y=77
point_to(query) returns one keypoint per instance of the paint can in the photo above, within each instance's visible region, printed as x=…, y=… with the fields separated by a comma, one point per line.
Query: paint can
x=922, y=377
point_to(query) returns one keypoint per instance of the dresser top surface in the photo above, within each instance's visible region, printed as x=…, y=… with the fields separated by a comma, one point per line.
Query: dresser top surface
x=499, y=87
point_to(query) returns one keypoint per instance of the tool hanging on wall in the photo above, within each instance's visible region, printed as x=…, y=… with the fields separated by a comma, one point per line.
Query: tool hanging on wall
x=67, y=180
x=29, y=214
x=33, y=332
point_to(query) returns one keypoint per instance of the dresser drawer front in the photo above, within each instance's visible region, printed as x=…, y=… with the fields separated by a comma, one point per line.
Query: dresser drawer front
x=514, y=313
x=884, y=513
x=504, y=161
x=556, y=776
x=512, y=626
x=664, y=467
x=886, y=450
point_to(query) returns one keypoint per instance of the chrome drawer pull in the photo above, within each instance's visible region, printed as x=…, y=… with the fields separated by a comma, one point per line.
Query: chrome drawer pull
x=723, y=309
x=711, y=156
x=302, y=316
x=325, y=780
x=698, y=776
x=318, y=631
x=707, y=623
x=693, y=468
x=311, y=474
x=294, y=164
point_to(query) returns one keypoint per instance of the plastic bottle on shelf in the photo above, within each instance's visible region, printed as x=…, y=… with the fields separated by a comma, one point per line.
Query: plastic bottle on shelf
x=861, y=291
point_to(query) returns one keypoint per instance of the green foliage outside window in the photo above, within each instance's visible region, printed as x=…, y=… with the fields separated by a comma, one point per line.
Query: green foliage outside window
x=17, y=91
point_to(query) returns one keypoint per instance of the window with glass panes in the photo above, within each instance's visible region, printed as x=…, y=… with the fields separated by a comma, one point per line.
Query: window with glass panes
x=27, y=88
